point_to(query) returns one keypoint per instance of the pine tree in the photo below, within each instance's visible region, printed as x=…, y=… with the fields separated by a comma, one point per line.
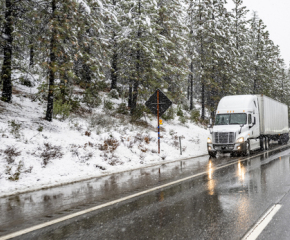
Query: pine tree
x=197, y=20
x=240, y=60
x=114, y=32
x=191, y=22
x=171, y=49
x=222, y=54
x=6, y=73
x=15, y=18
x=257, y=45
x=91, y=56
x=149, y=40
x=59, y=21
x=211, y=40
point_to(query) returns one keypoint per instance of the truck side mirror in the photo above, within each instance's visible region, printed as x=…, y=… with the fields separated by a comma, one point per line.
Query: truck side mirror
x=241, y=126
x=210, y=125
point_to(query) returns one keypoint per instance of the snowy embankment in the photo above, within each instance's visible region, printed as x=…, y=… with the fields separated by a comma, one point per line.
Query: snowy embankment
x=36, y=154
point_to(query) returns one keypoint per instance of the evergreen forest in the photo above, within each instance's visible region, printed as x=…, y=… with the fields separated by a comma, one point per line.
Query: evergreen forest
x=193, y=50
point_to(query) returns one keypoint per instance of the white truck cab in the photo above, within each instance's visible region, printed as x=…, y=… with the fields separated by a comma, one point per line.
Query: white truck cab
x=237, y=126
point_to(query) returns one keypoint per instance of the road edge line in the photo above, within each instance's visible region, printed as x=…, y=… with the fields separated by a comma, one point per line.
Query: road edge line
x=262, y=223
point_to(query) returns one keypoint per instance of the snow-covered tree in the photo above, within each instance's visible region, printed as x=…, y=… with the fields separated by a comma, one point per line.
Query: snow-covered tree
x=152, y=46
x=7, y=35
x=240, y=60
x=211, y=41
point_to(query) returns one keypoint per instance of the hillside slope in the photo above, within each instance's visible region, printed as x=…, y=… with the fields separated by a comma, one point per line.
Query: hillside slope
x=35, y=153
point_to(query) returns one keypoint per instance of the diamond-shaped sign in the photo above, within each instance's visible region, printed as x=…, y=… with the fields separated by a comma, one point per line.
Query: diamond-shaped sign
x=164, y=103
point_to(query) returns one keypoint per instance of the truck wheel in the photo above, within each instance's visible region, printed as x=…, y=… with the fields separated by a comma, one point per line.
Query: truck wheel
x=286, y=138
x=248, y=149
x=233, y=154
x=212, y=154
x=280, y=140
x=266, y=139
x=262, y=144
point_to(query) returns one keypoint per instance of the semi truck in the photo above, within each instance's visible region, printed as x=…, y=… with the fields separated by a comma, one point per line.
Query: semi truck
x=244, y=123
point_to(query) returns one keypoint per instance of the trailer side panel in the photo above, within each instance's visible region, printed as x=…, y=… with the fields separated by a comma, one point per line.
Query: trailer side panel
x=273, y=116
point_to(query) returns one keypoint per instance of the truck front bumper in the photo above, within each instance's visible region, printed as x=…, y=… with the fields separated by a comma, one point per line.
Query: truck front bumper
x=227, y=148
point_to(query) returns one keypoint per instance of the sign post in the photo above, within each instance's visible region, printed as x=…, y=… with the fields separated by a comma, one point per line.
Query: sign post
x=158, y=121
x=158, y=103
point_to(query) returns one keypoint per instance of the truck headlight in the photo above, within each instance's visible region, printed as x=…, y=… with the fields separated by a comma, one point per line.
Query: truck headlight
x=209, y=140
x=240, y=140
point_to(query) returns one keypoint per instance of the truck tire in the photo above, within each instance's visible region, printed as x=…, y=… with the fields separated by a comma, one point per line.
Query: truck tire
x=247, y=152
x=262, y=144
x=212, y=154
x=266, y=139
x=281, y=140
x=284, y=138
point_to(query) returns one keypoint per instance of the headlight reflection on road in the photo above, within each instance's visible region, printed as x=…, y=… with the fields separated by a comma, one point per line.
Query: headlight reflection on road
x=241, y=172
x=210, y=170
x=211, y=181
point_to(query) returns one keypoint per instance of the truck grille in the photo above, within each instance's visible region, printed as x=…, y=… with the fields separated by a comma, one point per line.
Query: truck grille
x=221, y=137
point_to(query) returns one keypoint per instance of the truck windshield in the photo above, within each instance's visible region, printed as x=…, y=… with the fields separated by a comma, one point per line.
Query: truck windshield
x=234, y=118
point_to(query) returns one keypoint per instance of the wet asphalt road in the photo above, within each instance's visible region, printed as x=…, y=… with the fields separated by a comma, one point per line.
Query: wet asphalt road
x=223, y=202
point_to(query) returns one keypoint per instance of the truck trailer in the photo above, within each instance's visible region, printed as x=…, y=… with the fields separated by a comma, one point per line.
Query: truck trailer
x=244, y=123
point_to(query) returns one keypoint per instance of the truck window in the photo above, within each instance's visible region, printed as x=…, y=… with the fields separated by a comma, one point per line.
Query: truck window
x=238, y=118
x=222, y=119
x=234, y=118
x=250, y=119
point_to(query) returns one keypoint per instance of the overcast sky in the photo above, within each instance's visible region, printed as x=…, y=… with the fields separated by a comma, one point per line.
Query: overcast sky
x=276, y=16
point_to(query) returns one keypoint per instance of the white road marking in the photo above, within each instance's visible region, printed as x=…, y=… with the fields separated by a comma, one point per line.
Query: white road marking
x=58, y=220
x=262, y=223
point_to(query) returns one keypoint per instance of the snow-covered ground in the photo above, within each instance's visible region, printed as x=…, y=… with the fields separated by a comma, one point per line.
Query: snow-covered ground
x=36, y=154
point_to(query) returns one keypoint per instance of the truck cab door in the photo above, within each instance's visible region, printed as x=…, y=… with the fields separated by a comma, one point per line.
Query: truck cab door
x=255, y=127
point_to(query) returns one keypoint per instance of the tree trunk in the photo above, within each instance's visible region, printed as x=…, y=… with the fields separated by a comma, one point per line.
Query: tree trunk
x=114, y=60
x=49, y=111
x=136, y=80
x=202, y=100
x=31, y=53
x=257, y=78
x=135, y=95
x=63, y=90
x=191, y=86
x=136, y=83
x=213, y=92
x=130, y=95
x=255, y=81
x=114, y=70
x=202, y=80
x=202, y=86
x=31, y=59
x=188, y=87
x=7, y=51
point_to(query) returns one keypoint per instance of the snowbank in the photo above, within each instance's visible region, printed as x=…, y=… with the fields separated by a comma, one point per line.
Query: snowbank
x=36, y=154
